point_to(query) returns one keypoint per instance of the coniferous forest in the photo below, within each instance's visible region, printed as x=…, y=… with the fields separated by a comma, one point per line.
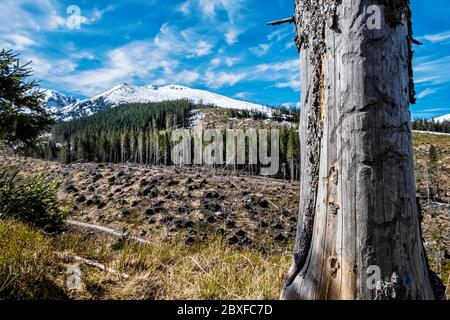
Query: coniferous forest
x=142, y=134
x=431, y=125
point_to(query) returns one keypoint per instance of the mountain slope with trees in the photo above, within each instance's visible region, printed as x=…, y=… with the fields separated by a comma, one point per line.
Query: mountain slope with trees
x=142, y=134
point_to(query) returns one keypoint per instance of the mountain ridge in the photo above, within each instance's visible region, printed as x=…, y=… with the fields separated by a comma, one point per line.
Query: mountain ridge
x=54, y=100
x=125, y=94
x=443, y=118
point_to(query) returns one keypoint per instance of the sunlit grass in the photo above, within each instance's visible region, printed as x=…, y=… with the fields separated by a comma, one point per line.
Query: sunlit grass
x=33, y=266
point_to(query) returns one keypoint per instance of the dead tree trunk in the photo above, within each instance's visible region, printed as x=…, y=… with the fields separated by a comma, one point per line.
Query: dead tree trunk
x=358, y=211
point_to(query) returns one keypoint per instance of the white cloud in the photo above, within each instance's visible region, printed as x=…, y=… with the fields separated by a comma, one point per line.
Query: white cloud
x=44, y=68
x=293, y=84
x=227, y=61
x=284, y=74
x=231, y=37
x=216, y=61
x=280, y=34
x=30, y=29
x=49, y=15
x=289, y=45
x=15, y=41
x=134, y=61
x=438, y=37
x=242, y=95
x=278, y=38
x=209, y=9
x=55, y=21
x=142, y=61
x=94, y=15
x=221, y=79
x=260, y=50
x=185, y=7
x=202, y=48
x=99, y=13
x=188, y=42
x=432, y=71
x=291, y=65
x=426, y=93
x=13, y=13
x=187, y=76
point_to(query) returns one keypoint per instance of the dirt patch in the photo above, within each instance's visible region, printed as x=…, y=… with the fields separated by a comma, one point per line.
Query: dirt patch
x=160, y=203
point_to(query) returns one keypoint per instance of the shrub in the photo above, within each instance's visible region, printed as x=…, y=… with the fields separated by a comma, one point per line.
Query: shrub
x=33, y=201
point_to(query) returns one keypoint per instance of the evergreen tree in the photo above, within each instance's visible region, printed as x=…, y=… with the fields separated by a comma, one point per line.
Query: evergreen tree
x=22, y=115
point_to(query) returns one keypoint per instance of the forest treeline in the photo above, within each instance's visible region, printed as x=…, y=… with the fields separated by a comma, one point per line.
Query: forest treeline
x=431, y=125
x=142, y=133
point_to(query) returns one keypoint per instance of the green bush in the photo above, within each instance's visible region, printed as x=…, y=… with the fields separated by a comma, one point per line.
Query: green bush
x=32, y=201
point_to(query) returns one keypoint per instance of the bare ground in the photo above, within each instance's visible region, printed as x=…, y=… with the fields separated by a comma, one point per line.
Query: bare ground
x=162, y=203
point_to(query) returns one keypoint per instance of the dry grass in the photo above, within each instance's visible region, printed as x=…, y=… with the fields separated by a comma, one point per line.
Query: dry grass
x=173, y=270
x=441, y=141
x=28, y=264
x=33, y=266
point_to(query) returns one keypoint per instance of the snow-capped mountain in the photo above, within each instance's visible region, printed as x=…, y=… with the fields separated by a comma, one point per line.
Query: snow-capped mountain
x=443, y=118
x=125, y=93
x=55, y=101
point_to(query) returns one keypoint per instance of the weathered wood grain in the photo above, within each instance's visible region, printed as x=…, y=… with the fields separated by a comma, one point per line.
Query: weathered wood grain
x=358, y=202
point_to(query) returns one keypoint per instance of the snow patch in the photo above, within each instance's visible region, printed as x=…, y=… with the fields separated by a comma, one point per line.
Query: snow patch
x=432, y=133
x=443, y=118
x=124, y=93
x=55, y=101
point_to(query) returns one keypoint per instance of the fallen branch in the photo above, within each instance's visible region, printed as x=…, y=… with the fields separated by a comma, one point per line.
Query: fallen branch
x=101, y=267
x=115, y=233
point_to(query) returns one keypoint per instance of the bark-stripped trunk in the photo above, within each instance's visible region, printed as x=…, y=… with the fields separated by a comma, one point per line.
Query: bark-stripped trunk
x=358, y=205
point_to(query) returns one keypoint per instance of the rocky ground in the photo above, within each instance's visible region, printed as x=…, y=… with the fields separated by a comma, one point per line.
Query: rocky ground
x=158, y=203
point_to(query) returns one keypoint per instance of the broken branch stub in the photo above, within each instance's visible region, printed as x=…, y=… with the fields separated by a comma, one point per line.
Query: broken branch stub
x=282, y=21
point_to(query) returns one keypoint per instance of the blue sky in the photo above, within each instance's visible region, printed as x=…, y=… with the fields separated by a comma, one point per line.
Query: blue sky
x=218, y=45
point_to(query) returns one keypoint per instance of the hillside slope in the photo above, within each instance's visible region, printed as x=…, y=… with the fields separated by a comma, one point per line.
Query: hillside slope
x=126, y=94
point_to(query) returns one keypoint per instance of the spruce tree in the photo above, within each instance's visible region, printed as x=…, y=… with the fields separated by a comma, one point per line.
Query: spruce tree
x=23, y=117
